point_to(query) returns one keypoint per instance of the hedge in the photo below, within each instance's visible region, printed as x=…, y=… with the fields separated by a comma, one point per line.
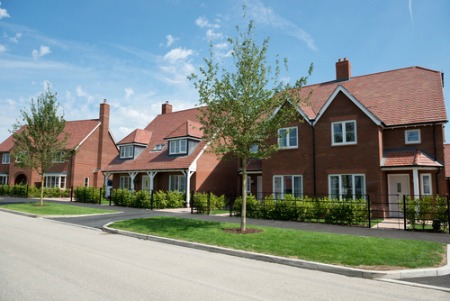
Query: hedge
x=142, y=199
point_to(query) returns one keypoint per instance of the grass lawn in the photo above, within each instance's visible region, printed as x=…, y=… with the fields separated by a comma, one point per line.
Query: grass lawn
x=54, y=209
x=348, y=250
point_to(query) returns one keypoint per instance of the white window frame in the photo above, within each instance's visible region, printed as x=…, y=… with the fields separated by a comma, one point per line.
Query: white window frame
x=177, y=183
x=279, y=189
x=285, y=135
x=55, y=180
x=4, y=179
x=416, y=133
x=178, y=146
x=343, y=190
x=344, y=133
x=426, y=186
x=125, y=182
x=126, y=151
x=6, y=158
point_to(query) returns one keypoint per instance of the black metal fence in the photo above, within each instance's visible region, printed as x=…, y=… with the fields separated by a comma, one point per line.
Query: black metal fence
x=426, y=213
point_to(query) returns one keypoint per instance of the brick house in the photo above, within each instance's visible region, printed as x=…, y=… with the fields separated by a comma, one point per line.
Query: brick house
x=169, y=154
x=94, y=148
x=379, y=135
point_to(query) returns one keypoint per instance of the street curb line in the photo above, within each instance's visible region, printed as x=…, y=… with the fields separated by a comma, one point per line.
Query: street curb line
x=310, y=265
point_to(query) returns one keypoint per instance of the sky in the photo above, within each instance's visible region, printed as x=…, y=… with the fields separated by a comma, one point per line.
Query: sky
x=138, y=54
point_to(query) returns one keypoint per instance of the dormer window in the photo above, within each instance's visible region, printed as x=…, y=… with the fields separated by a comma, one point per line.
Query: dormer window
x=412, y=137
x=126, y=152
x=177, y=147
x=158, y=148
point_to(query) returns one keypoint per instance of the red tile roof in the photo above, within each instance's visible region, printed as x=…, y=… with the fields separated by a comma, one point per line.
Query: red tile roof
x=398, y=97
x=137, y=136
x=408, y=158
x=77, y=130
x=169, y=125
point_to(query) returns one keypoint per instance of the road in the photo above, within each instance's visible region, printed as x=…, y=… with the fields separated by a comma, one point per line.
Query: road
x=47, y=260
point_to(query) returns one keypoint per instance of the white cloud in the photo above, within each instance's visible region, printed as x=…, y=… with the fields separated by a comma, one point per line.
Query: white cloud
x=211, y=34
x=15, y=39
x=177, y=54
x=211, y=28
x=170, y=40
x=43, y=50
x=266, y=16
x=128, y=92
x=3, y=13
x=201, y=22
x=411, y=15
x=2, y=48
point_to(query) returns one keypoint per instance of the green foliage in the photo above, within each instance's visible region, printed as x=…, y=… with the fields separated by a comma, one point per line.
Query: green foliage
x=238, y=105
x=39, y=137
x=200, y=202
x=33, y=192
x=87, y=195
x=442, y=211
x=331, y=211
x=143, y=199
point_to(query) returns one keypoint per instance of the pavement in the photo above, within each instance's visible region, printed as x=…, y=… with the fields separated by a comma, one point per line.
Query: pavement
x=434, y=277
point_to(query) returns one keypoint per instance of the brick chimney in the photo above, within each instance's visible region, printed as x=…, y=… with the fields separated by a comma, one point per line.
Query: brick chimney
x=103, y=135
x=343, y=70
x=166, y=108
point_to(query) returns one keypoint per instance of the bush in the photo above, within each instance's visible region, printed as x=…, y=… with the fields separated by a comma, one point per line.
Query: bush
x=175, y=199
x=253, y=207
x=200, y=202
x=87, y=195
x=141, y=199
x=122, y=197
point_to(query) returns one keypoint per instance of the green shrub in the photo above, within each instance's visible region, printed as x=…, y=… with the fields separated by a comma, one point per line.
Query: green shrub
x=87, y=195
x=175, y=199
x=122, y=197
x=253, y=207
x=159, y=199
x=141, y=199
x=200, y=202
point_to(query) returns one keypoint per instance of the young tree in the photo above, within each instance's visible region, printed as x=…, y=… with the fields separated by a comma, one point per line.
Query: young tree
x=39, y=136
x=239, y=110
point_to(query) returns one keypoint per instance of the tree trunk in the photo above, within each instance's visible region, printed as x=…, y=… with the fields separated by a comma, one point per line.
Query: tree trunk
x=244, y=196
x=42, y=191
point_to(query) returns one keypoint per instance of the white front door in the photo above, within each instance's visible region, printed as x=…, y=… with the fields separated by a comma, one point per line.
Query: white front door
x=398, y=185
x=146, y=183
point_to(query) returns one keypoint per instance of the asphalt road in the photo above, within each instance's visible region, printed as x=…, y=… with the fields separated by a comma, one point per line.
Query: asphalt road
x=47, y=260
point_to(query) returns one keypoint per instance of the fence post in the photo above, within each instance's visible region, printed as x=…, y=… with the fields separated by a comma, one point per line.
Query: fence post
x=192, y=204
x=101, y=194
x=209, y=202
x=369, y=212
x=26, y=192
x=231, y=201
x=448, y=214
x=111, y=196
x=404, y=212
x=151, y=199
x=71, y=193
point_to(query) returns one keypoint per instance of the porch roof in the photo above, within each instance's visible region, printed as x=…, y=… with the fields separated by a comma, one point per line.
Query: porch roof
x=408, y=158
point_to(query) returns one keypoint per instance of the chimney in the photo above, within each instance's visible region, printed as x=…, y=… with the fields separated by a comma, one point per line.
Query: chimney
x=103, y=135
x=343, y=70
x=166, y=108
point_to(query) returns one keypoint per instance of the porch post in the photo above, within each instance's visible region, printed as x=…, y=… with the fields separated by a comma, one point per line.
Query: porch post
x=416, y=182
x=151, y=175
x=188, y=173
x=133, y=175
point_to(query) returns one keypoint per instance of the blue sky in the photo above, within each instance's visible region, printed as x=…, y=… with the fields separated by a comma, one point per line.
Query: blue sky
x=138, y=53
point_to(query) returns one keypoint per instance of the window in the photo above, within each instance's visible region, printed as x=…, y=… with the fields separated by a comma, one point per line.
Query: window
x=125, y=182
x=343, y=132
x=249, y=185
x=86, y=182
x=412, y=137
x=5, y=158
x=347, y=186
x=3, y=179
x=254, y=148
x=177, y=183
x=178, y=147
x=126, y=151
x=58, y=181
x=158, y=148
x=426, y=184
x=287, y=185
x=59, y=158
x=287, y=137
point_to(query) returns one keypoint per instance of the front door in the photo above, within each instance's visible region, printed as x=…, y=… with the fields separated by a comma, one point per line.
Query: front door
x=399, y=185
x=146, y=183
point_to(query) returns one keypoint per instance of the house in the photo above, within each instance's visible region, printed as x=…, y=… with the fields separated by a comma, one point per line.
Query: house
x=93, y=146
x=169, y=154
x=377, y=136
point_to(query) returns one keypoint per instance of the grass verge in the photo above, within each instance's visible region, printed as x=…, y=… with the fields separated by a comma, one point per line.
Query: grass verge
x=348, y=250
x=54, y=209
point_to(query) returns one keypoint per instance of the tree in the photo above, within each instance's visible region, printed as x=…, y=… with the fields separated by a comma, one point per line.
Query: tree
x=39, y=136
x=238, y=109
